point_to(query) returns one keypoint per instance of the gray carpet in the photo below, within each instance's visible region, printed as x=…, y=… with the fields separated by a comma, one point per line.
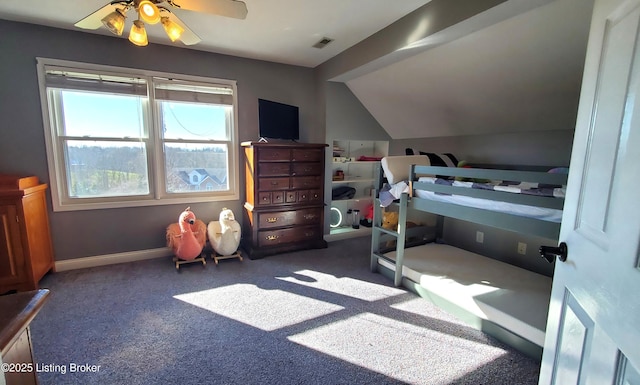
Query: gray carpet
x=310, y=317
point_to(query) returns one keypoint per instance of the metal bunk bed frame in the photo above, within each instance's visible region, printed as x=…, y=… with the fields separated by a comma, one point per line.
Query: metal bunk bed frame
x=510, y=222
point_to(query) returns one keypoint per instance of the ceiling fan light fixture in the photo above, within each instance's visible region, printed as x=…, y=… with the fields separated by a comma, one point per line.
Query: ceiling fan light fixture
x=114, y=22
x=148, y=12
x=173, y=29
x=138, y=35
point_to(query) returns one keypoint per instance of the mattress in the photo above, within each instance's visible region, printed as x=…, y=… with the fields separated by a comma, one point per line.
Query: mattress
x=511, y=297
x=542, y=213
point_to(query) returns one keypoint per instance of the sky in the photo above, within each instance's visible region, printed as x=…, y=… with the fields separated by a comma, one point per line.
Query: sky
x=115, y=116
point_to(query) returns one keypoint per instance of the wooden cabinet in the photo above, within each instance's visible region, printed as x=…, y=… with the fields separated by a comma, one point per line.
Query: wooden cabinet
x=26, y=254
x=284, y=208
x=18, y=310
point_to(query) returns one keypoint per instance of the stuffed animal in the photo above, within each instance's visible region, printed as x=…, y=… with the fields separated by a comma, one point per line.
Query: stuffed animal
x=224, y=234
x=187, y=237
x=390, y=220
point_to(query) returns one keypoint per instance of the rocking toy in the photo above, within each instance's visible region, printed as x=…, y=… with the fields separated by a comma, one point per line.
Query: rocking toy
x=187, y=239
x=224, y=236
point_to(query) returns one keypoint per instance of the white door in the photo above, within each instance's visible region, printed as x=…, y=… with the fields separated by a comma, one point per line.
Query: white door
x=593, y=330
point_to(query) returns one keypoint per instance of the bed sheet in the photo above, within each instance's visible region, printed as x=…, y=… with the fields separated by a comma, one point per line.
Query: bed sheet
x=542, y=213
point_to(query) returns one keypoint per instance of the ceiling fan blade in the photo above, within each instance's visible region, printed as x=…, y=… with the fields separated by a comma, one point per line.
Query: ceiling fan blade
x=188, y=36
x=229, y=8
x=94, y=20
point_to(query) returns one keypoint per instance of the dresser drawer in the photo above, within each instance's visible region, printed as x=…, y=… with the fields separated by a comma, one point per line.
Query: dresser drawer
x=290, y=235
x=270, y=198
x=267, y=184
x=307, y=155
x=306, y=182
x=307, y=168
x=315, y=196
x=289, y=218
x=274, y=154
x=309, y=196
x=273, y=169
x=266, y=198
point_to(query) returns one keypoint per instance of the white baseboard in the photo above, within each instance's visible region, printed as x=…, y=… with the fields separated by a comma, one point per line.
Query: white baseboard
x=110, y=259
x=341, y=233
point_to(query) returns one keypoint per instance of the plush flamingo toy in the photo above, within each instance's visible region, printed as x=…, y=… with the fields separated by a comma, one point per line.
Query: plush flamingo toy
x=187, y=237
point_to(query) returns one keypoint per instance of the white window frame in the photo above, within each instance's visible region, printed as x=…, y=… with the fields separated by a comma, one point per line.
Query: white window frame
x=156, y=168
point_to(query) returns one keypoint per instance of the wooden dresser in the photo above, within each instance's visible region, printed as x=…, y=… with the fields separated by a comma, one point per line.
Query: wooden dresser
x=284, y=208
x=26, y=253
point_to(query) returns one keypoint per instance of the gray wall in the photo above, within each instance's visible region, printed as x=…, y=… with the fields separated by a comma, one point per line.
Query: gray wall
x=541, y=148
x=499, y=244
x=22, y=146
x=345, y=118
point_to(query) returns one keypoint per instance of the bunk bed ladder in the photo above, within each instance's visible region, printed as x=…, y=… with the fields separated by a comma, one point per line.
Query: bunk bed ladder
x=377, y=232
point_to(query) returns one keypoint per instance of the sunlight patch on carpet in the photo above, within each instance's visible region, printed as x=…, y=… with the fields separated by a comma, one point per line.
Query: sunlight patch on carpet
x=350, y=287
x=264, y=309
x=403, y=351
x=425, y=308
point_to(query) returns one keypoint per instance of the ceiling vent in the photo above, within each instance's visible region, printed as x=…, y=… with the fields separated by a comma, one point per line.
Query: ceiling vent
x=323, y=42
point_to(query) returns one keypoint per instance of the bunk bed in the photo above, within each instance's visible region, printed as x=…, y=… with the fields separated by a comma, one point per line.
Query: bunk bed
x=505, y=301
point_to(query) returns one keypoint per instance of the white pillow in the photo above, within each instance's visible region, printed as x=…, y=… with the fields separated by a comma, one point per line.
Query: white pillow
x=396, y=168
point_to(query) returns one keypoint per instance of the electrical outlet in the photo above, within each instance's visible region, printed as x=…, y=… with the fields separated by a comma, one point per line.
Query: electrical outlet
x=522, y=248
x=479, y=237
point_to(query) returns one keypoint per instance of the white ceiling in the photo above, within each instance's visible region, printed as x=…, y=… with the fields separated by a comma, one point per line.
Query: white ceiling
x=520, y=74
x=516, y=67
x=282, y=31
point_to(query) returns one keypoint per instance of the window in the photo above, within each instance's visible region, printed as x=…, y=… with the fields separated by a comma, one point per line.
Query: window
x=120, y=137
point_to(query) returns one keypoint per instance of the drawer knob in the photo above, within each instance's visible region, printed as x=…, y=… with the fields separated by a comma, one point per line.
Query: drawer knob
x=272, y=220
x=309, y=216
x=274, y=183
x=309, y=234
x=272, y=237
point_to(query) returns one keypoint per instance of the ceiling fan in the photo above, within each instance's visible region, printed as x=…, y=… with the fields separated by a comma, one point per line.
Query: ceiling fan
x=113, y=17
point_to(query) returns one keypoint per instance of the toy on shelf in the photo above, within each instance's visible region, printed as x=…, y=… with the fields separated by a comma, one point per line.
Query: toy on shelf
x=224, y=236
x=187, y=239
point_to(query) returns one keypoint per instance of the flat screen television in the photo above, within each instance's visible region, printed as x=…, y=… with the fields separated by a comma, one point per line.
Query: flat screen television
x=278, y=120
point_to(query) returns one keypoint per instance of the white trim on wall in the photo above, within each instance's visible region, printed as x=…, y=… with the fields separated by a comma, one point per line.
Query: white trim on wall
x=111, y=259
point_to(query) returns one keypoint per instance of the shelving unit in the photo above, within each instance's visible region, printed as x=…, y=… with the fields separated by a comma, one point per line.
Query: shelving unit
x=356, y=173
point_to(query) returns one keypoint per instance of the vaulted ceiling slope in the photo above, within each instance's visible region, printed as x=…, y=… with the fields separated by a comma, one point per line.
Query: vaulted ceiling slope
x=520, y=74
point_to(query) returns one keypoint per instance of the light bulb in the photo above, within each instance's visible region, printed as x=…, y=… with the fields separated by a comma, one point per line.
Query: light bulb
x=173, y=30
x=138, y=34
x=114, y=22
x=148, y=12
